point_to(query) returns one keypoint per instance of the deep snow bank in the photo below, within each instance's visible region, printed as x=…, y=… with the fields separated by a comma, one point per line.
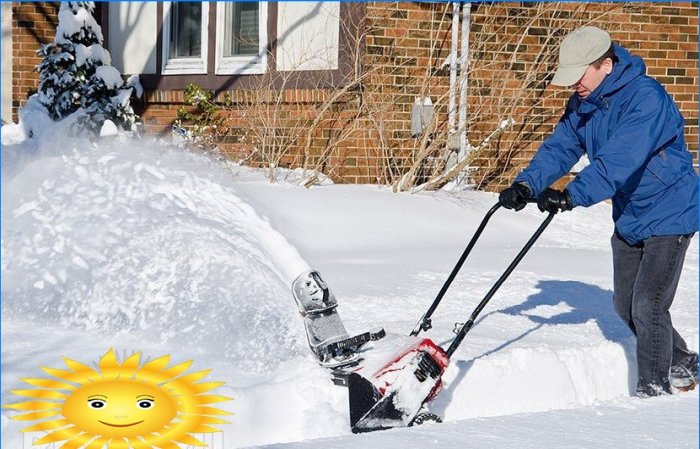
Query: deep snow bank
x=138, y=237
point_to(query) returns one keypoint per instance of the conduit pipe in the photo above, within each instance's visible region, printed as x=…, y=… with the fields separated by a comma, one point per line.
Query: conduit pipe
x=451, y=118
x=463, y=80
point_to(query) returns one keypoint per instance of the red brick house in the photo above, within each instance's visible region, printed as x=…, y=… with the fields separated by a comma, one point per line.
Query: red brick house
x=365, y=92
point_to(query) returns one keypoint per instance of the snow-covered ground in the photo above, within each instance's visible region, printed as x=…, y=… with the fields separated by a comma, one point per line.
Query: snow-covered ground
x=138, y=246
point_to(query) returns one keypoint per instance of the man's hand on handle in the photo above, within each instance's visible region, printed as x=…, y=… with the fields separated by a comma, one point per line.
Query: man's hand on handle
x=515, y=196
x=554, y=201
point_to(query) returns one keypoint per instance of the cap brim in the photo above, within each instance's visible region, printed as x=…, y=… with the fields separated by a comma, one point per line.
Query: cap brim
x=568, y=76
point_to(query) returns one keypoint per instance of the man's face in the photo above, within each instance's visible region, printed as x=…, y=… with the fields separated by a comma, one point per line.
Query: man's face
x=592, y=78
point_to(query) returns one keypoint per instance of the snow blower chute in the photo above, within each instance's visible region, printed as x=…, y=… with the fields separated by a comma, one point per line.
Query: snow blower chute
x=393, y=395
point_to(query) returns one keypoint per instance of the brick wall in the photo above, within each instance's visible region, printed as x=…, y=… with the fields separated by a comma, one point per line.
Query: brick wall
x=33, y=24
x=406, y=45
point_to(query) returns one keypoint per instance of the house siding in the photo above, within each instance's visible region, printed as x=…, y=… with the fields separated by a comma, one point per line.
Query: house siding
x=365, y=133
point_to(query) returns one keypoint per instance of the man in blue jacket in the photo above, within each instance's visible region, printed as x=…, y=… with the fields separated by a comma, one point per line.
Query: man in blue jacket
x=632, y=132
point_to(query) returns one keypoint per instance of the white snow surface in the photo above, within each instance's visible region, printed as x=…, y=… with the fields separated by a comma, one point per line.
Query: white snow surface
x=34, y=120
x=108, y=129
x=135, y=245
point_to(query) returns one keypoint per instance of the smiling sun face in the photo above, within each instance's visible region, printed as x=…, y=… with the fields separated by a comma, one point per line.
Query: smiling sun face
x=120, y=408
x=121, y=405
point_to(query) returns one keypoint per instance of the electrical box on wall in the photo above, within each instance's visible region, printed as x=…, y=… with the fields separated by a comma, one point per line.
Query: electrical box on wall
x=421, y=116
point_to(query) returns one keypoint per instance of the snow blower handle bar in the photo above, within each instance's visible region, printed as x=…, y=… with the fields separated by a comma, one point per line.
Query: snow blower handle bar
x=425, y=322
x=470, y=322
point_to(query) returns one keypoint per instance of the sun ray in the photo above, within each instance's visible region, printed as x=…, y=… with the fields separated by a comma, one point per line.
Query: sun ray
x=212, y=420
x=47, y=425
x=59, y=435
x=68, y=376
x=109, y=365
x=203, y=428
x=202, y=410
x=47, y=383
x=61, y=374
x=80, y=368
x=40, y=394
x=36, y=415
x=138, y=443
x=117, y=443
x=194, y=420
x=77, y=441
x=158, y=364
x=176, y=370
x=205, y=386
x=170, y=446
x=131, y=364
x=34, y=405
x=194, y=377
x=154, y=377
x=97, y=443
x=175, y=430
x=211, y=398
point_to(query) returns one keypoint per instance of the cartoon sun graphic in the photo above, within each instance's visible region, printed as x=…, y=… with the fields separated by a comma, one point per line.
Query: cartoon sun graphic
x=121, y=405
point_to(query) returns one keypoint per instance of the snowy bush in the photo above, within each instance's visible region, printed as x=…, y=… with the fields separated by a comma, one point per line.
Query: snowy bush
x=202, y=124
x=76, y=76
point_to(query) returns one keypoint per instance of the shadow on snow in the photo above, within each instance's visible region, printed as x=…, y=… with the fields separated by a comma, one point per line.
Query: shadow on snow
x=585, y=302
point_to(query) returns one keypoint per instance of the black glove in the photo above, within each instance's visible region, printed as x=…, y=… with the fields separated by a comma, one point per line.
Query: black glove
x=554, y=201
x=515, y=196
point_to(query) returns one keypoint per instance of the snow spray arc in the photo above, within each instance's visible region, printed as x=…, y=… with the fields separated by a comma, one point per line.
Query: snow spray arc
x=120, y=405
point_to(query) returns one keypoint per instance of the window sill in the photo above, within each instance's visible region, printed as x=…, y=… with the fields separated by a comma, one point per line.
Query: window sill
x=185, y=67
x=241, y=66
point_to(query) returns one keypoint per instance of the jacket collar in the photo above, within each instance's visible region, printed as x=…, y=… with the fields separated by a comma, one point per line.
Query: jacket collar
x=596, y=100
x=625, y=70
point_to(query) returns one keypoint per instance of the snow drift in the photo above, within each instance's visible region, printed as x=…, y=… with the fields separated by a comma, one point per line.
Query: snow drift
x=116, y=238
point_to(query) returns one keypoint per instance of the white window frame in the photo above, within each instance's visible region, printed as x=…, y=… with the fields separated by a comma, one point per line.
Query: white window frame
x=241, y=65
x=184, y=66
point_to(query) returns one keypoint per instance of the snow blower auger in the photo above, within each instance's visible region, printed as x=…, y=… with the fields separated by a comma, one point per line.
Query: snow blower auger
x=325, y=331
x=394, y=395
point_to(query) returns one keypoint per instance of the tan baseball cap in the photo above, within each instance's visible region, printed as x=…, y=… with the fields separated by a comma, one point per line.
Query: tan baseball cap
x=577, y=51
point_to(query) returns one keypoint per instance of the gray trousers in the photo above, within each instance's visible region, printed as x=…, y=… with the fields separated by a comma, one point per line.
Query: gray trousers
x=645, y=281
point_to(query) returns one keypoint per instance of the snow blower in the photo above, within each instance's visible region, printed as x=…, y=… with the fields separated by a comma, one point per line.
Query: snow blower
x=394, y=395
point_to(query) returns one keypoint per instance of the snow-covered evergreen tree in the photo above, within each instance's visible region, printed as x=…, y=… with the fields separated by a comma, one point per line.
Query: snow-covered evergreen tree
x=76, y=75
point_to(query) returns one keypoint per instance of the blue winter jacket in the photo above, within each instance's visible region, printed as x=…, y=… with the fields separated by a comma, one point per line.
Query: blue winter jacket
x=632, y=132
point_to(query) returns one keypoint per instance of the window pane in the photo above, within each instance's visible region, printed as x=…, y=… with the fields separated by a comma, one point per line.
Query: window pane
x=186, y=30
x=241, y=29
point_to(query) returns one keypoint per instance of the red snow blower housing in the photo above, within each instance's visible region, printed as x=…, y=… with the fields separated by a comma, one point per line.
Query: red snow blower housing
x=394, y=394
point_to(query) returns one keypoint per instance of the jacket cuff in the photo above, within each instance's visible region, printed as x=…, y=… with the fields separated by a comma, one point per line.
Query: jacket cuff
x=574, y=197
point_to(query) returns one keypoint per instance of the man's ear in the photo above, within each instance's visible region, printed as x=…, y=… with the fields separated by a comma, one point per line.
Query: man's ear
x=608, y=66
